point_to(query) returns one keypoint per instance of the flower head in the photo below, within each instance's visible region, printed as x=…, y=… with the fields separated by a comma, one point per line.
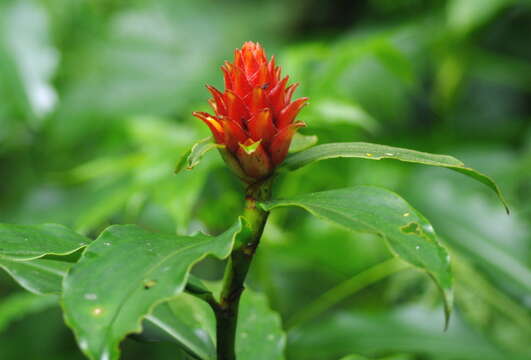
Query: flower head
x=254, y=118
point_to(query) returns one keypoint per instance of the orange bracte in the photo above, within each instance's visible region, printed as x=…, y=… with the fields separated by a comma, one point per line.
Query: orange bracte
x=255, y=117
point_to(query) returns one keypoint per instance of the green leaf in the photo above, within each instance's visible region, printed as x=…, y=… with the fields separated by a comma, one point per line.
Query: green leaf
x=195, y=286
x=477, y=229
x=375, y=210
x=377, y=152
x=44, y=276
x=32, y=254
x=193, y=157
x=123, y=275
x=39, y=276
x=190, y=322
x=28, y=242
x=19, y=305
x=182, y=321
x=259, y=335
x=301, y=142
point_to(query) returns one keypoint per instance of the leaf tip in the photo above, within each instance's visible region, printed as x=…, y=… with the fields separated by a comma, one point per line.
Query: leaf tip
x=182, y=162
x=448, y=297
x=447, y=315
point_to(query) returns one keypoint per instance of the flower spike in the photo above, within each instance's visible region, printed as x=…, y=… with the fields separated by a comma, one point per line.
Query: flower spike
x=254, y=116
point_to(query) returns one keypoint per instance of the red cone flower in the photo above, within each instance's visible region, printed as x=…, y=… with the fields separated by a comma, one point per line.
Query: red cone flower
x=255, y=117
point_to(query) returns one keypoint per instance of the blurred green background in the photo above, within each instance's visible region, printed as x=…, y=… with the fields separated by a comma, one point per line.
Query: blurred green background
x=95, y=109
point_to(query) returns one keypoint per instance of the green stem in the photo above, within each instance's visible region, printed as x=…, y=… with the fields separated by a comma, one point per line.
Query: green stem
x=239, y=262
x=345, y=289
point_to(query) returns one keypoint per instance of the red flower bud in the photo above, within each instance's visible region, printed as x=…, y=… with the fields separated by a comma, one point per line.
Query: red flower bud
x=254, y=118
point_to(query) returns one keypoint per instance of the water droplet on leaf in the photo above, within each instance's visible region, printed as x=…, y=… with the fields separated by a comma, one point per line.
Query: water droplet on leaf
x=83, y=344
x=91, y=296
x=97, y=311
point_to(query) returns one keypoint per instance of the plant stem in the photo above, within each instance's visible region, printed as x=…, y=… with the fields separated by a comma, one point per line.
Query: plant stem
x=239, y=262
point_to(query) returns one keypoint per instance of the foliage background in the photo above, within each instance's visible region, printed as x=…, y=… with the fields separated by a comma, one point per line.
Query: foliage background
x=96, y=97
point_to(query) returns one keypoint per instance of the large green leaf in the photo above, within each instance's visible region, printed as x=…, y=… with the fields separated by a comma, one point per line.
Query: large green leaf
x=123, y=275
x=377, y=152
x=191, y=323
x=22, y=248
x=28, y=242
x=45, y=276
x=39, y=276
x=376, y=210
x=259, y=334
x=183, y=321
x=476, y=227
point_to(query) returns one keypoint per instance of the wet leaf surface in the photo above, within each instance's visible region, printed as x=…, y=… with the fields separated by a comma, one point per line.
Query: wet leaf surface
x=376, y=210
x=123, y=275
x=378, y=152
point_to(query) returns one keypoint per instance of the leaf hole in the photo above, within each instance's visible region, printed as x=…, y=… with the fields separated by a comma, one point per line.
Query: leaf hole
x=411, y=228
x=148, y=284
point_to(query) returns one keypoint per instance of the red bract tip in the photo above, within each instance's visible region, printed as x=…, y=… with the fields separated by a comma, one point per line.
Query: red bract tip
x=254, y=115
